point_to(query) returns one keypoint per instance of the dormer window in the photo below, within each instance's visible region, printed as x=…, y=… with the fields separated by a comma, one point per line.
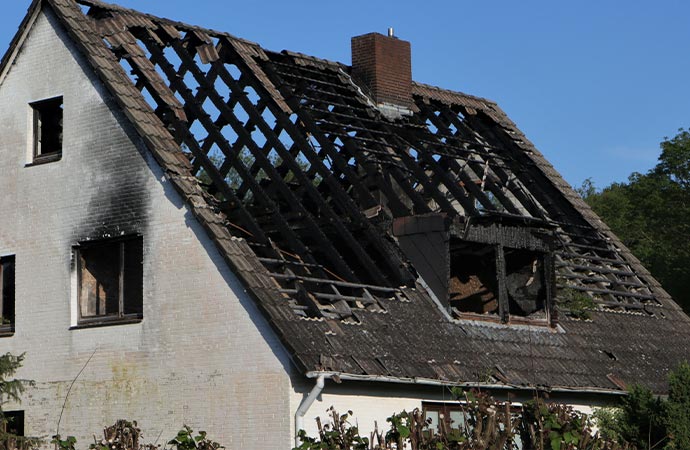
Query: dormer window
x=47, y=130
x=487, y=270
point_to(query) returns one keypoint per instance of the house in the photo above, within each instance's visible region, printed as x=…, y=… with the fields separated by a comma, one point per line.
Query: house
x=194, y=229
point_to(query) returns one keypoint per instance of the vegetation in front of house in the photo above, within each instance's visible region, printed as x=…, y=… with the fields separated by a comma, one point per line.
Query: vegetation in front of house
x=643, y=421
x=487, y=424
x=649, y=422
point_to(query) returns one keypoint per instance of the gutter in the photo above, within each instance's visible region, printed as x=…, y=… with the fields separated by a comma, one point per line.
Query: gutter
x=308, y=401
x=433, y=382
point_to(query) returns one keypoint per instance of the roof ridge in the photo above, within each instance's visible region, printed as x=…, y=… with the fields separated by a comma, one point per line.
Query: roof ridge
x=453, y=92
x=210, y=31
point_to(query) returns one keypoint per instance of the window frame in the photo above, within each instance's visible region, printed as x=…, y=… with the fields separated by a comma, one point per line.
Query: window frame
x=121, y=317
x=503, y=314
x=7, y=329
x=15, y=419
x=37, y=108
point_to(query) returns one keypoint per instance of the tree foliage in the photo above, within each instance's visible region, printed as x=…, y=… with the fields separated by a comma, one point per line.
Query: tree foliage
x=651, y=215
x=11, y=390
x=650, y=422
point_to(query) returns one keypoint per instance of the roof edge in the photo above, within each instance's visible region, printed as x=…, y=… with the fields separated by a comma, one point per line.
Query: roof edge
x=22, y=32
x=433, y=382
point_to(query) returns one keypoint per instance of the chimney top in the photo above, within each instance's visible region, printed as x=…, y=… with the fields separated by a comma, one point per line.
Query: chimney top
x=382, y=65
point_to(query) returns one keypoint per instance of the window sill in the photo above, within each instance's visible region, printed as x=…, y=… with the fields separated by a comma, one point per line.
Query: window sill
x=6, y=331
x=512, y=320
x=106, y=322
x=51, y=157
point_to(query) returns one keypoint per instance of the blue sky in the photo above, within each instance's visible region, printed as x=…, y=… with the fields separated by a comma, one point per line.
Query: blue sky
x=596, y=85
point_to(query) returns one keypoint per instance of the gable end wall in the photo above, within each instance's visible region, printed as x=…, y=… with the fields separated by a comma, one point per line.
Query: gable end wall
x=203, y=354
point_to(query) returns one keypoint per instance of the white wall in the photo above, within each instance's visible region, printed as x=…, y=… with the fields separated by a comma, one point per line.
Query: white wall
x=202, y=356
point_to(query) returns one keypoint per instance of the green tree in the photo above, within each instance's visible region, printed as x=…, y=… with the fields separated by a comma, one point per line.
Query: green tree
x=678, y=407
x=651, y=215
x=10, y=391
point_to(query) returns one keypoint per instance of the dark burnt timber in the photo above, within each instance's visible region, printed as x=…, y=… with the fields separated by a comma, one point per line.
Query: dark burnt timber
x=299, y=176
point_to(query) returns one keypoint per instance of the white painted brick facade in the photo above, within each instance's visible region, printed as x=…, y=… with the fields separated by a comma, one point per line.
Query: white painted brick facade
x=203, y=355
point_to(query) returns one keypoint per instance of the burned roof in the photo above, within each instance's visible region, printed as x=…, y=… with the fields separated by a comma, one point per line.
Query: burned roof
x=317, y=198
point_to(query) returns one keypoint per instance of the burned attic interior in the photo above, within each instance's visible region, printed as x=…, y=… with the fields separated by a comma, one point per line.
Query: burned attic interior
x=488, y=279
x=302, y=163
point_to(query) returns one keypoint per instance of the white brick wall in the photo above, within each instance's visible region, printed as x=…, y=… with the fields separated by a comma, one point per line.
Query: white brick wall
x=203, y=354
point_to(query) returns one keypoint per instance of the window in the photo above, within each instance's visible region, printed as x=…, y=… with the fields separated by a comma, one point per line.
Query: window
x=458, y=418
x=110, y=280
x=450, y=413
x=47, y=129
x=498, y=281
x=6, y=294
x=15, y=422
x=489, y=268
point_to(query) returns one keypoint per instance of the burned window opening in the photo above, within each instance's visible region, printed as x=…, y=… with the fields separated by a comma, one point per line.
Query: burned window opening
x=526, y=283
x=110, y=280
x=473, y=285
x=47, y=130
x=7, y=294
x=494, y=280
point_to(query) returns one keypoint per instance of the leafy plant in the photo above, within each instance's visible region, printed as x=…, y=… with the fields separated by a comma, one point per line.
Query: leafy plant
x=576, y=303
x=336, y=434
x=66, y=444
x=185, y=440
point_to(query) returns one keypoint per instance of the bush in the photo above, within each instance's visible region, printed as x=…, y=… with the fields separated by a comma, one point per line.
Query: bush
x=650, y=422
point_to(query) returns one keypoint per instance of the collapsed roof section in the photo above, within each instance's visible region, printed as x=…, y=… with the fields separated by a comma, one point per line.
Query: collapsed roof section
x=302, y=166
x=310, y=189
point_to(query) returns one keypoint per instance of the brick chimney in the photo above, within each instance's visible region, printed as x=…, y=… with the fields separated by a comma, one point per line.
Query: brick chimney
x=383, y=66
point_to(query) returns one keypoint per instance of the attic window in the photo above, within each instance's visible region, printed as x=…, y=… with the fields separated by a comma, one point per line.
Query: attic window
x=488, y=268
x=47, y=130
x=110, y=280
x=493, y=280
x=473, y=285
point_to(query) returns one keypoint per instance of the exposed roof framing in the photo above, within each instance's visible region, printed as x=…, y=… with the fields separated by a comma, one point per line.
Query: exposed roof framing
x=298, y=177
x=296, y=158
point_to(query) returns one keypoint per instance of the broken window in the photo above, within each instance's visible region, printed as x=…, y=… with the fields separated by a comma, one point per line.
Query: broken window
x=473, y=284
x=47, y=129
x=491, y=279
x=6, y=294
x=525, y=283
x=489, y=268
x=110, y=279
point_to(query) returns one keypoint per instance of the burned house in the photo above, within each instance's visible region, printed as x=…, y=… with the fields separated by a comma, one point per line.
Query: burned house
x=212, y=233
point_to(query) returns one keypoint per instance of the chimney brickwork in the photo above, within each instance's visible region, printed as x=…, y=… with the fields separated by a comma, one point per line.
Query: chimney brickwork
x=383, y=65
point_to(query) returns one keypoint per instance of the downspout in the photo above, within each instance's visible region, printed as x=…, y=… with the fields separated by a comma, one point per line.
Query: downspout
x=306, y=404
